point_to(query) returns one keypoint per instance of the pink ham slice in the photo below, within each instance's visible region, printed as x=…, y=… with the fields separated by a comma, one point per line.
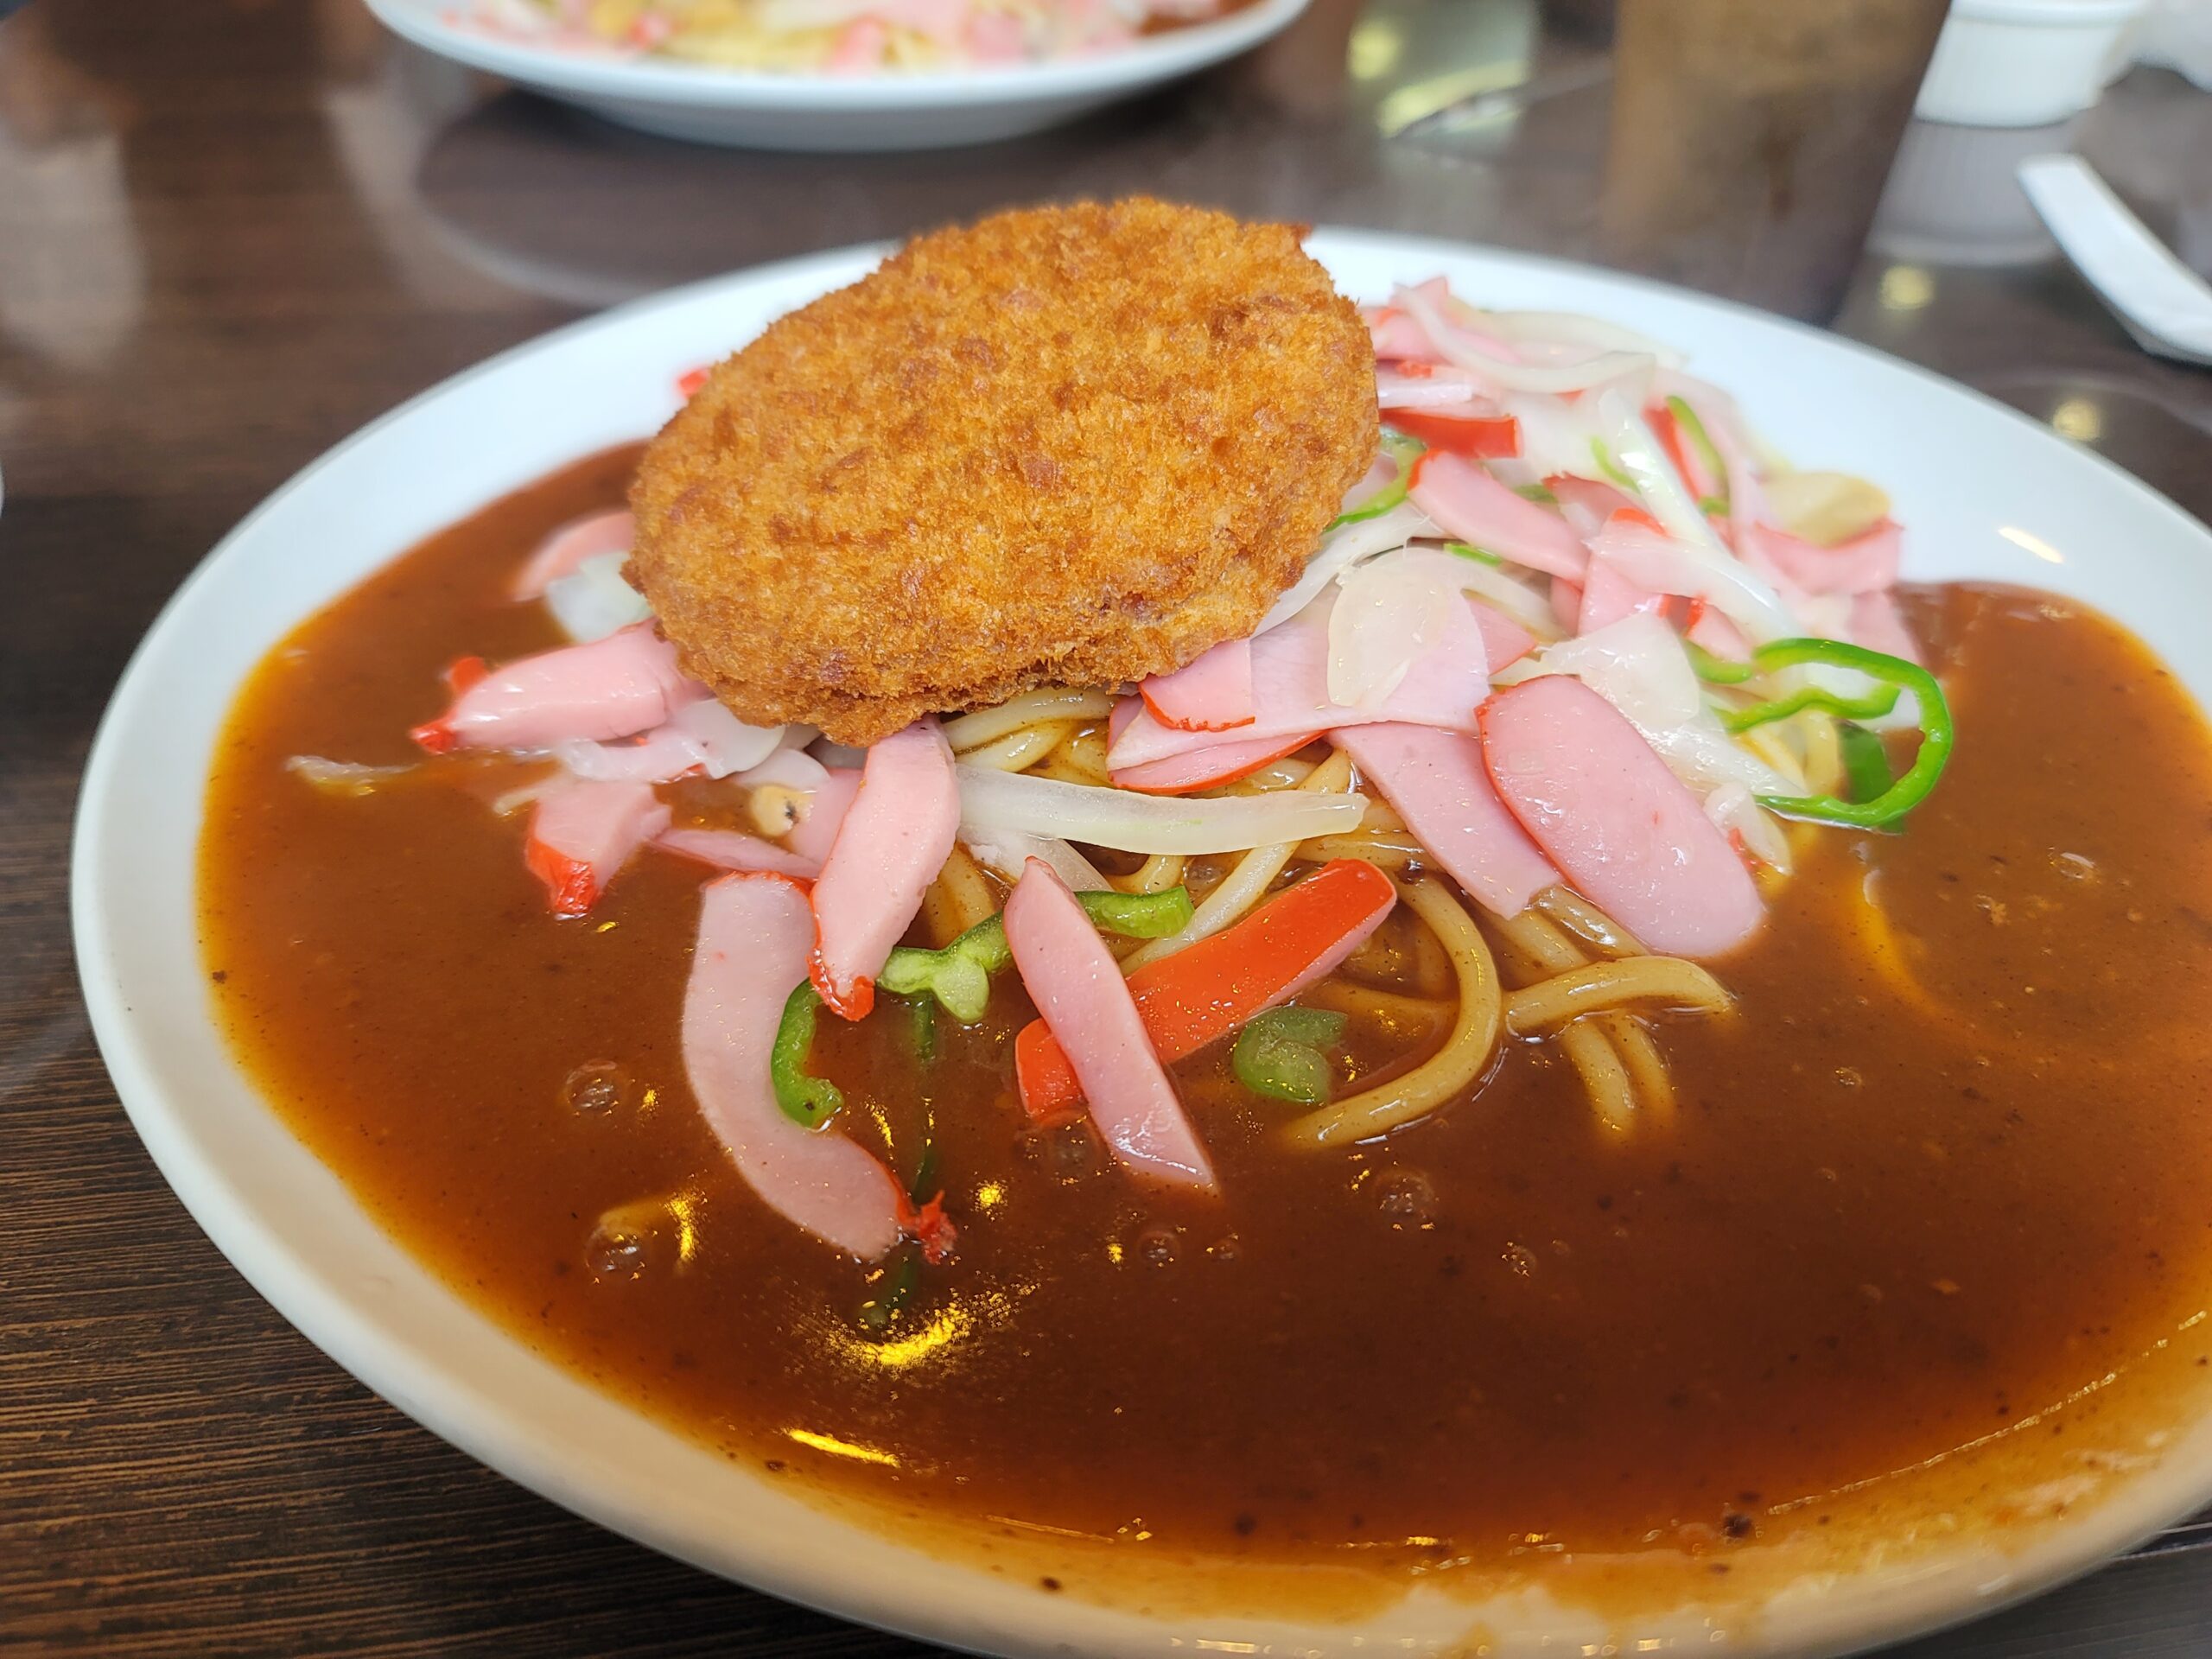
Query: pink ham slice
x=894, y=841
x=1440, y=787
x=755, y=933
x=615, y=687
x=1398, y=338
x=1290, y=695
x=1626, y=832
x=1216, y=764
x=1505, y=640
x=1714, y=633
x=1586, y=502
x=1876, y=625
x=827, y=803
x=1607, y=596
x=702, y=738
x=1466, y=502
x=1866, y=564
x=1212, y=692
x=582, y=832
x=733, y=850
x=560, y=553
x=1086, y=1004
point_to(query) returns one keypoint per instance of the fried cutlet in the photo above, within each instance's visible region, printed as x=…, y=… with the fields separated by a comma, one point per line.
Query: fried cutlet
x=1067, y=445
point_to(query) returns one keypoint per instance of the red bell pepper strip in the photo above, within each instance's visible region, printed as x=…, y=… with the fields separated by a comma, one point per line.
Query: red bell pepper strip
x=1479, y=437
x=1206, y=991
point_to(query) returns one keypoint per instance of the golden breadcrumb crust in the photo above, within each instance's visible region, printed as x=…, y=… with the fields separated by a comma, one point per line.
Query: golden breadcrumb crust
x=1066, y=445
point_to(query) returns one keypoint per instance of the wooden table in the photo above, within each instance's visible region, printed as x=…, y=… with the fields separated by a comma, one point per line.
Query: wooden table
x=233, y=231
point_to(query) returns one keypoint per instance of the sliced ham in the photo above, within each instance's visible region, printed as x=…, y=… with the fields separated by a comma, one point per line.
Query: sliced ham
x=1607, y=596
x=616, y=687
x=1586, y=502
x=1086, y=1004
x=1567, y=603
x=1439, y=785
x=1290, y=693
x=1867, y=564
x=755, y=934
x=892, y=842
x=1471, y=505
x=1212, y=692
x=1715, y=634
x=1207, y=768
x=1625, y=831
x=582, y=832
x=1398, y=338
x=564, y=552
x=701, y=739
x=1505, y=640
x=1876, y=625
x=827, y=803
x=733, y=850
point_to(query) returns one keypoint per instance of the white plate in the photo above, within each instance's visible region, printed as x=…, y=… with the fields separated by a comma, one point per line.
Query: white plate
x=839, y=112
x=1986, y=493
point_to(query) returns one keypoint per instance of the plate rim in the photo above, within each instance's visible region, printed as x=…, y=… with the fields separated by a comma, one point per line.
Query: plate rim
x=469, y=1417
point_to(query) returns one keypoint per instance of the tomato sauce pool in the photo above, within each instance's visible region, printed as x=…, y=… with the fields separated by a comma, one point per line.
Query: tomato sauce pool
x=1942, y=1169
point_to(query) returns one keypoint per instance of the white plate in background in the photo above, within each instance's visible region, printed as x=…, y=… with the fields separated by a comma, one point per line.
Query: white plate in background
x=1984, y=493
x=928, y=110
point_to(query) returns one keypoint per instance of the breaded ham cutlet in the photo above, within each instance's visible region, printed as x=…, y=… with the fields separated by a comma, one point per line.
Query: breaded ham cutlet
x=1067, y=445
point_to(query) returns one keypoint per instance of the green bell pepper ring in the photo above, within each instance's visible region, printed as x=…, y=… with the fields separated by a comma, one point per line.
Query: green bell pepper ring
x=808, y=1101
x=1404, y=451
x=959, y=975
x=1866, y=767
x=1872, y=706
x=1937, y=732
x=1277, y=1054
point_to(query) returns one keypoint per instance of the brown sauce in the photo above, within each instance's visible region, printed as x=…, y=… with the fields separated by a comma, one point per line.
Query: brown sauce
x=1907, y=1201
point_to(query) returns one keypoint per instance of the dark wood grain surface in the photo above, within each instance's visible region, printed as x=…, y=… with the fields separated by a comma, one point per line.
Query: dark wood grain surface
x=233, y=231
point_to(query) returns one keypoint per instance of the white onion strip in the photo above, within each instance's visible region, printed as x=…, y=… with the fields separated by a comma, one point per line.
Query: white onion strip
x=1401, y=525
x=992, y=802
x=1008, y=852
x=1514, y=377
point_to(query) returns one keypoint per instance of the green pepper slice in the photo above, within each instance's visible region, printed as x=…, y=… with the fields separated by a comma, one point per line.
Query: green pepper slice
x=1866, y=767
x=959, y=975
x=1277, y=1054
x=808, y=1101
x=1937, y=732
x=1401, y=449
x=1872, y=706
x=1708, y=452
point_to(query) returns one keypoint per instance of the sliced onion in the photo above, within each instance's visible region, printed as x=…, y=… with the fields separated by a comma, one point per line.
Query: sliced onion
x=593, y=600
x=341, y=777
x=1458, y=347
x=1732, y=808
x=1638, y=666
x=1389, y=610
x=1006, y=852
x=1342, y=547
x=792, y=768
x=992, y=802
x=1394, y=389
x=1570, y=331
x=702, y=737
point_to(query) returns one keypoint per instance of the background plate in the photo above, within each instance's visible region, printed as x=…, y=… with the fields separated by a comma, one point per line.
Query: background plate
x=847, y=112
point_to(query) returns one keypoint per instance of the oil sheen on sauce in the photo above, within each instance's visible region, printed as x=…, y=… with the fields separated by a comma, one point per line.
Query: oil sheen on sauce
x=1942, y=1169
